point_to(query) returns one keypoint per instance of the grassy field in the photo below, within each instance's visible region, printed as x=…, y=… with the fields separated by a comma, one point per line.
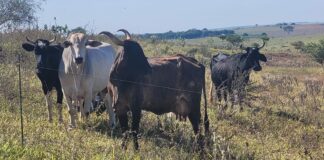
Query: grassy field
x=284, y=118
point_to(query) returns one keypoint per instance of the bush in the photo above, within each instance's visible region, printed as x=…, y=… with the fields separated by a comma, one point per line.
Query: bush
x=298, y=45
x=234, y=39
x=316, y=50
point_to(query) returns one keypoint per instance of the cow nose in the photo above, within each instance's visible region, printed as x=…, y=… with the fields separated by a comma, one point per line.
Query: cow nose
x=78, y=60
x=257, y=68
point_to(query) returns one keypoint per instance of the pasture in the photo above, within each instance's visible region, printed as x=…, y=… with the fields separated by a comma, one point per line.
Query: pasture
x=282, y=117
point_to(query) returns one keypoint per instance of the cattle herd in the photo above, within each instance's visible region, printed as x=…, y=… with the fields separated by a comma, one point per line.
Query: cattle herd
x=80, y=69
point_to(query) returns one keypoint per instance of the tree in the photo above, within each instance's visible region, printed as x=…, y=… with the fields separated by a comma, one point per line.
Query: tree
x=222, y=36
x=62, y=30
x=234, y=39
x=316, y=50
x=45, y=27
x=79, y=29
x=288, y=28
x=265, y=37
x=17, y=12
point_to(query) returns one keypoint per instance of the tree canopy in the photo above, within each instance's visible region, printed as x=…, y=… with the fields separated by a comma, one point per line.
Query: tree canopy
x=189, y=34
x=17, y=12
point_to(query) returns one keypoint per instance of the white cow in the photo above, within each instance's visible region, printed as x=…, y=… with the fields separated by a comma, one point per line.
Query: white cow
x=84, y=71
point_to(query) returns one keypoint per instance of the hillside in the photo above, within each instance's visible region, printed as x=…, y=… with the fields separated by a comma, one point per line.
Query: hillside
x=275, y=31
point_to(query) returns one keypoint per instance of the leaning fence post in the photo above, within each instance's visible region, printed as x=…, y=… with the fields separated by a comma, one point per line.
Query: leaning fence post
x=20, y=102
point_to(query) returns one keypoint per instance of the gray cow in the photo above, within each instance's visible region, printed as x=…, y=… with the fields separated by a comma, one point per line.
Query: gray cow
x=85, y=68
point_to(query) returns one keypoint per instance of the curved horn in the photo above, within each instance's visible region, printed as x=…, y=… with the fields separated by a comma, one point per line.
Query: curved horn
x=128, y=36
x=52, y=40
x=262, y=44
x=113, y=38
x=28, y=40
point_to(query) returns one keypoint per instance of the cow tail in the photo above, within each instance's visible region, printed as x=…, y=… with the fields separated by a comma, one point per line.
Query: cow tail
x=206, y=121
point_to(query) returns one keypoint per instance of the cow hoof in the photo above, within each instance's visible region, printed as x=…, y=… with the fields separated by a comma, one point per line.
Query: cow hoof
x=136, y=146
x=71, y=127
x=112, y=125
x=124, y=145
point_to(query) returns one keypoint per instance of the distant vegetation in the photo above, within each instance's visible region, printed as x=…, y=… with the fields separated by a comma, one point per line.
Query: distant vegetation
x=298, y=45
x=316, y=50
x=189, y=34
x=287, y=27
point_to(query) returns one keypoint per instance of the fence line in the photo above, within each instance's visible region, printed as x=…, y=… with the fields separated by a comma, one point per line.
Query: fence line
x=133, y=82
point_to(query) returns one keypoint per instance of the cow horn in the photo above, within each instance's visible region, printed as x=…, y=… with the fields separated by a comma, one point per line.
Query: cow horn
x=52, y=40
x=113, y=38
x=128, y=36
x=262, y=45
x=28, y=40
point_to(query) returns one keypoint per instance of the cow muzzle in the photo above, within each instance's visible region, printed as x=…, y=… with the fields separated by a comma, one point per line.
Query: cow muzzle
x=78, y=60
x=257, y=68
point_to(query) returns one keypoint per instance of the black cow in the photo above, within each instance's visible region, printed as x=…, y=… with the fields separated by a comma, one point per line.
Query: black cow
x=48, y=57
x=159, y=85
x=232, y=72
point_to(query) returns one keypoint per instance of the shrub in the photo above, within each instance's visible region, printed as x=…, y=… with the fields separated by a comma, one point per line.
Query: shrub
x=316, y=50
x=298, y=45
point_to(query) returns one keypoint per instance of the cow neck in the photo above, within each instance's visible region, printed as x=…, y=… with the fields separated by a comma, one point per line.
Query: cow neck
x=243, y=64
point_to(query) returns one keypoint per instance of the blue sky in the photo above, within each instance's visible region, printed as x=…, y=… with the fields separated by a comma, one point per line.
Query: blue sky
x=150, y=16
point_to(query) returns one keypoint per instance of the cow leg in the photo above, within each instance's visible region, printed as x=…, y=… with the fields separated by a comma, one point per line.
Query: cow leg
x=60, y=114
x=110, y=111
x=241, y=95
x=87, y=106
x=136, y=117
x=219, y=95
x=49, y=106
x=222, y=94
x=211, y=92
x=80, y=105
x=59, y=104
x=72, y=112
x=123, y=120
x=194, y=118
x=227, y=96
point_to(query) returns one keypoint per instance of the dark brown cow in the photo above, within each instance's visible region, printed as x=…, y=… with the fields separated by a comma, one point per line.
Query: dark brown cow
x=160, y=85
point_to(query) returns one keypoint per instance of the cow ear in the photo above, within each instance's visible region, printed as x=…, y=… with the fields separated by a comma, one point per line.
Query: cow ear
x=262, y=57
x=28, y=47
x=66, y=44
x=93, y=43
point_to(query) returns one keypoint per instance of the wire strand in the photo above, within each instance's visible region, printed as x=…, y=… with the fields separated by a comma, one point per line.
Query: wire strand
x=133, y=82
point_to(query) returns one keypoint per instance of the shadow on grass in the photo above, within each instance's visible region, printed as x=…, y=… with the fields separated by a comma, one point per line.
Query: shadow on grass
x=167, y=136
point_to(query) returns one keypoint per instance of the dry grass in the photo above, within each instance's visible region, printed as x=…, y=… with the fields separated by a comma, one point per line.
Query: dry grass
x=285, y=121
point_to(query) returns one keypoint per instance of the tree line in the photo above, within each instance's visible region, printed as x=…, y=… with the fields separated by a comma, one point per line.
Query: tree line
x=189, y=34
